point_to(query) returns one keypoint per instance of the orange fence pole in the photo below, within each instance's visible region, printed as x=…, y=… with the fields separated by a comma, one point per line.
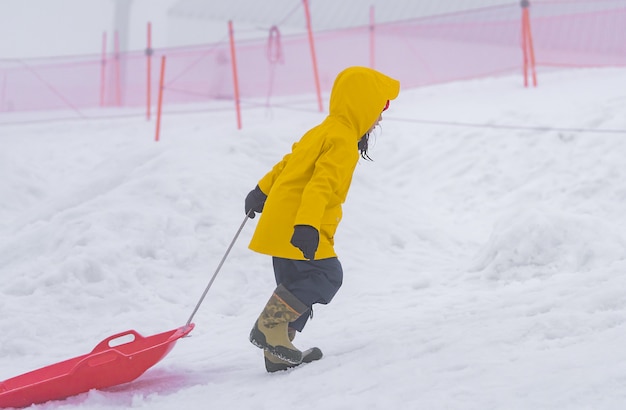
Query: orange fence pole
x=3, y=93
x=149, y=53
x=233, y=58
x=372, y=39
x=527, y=44
x=531, y=47
x=118, y=80
x=103, y=68
x=313, y=56
x=524, y=48
x=160, y=103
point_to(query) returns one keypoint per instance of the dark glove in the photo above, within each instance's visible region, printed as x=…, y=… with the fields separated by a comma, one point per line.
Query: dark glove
x=306, y=238
x=255, y=201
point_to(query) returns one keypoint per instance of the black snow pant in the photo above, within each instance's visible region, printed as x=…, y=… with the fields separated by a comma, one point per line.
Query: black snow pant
x=315, y=281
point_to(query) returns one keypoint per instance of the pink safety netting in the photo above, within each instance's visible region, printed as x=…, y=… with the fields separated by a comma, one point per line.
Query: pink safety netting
x=422, y=51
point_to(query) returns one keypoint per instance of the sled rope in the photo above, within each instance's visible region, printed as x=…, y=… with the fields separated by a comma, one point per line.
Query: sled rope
x=217, y=270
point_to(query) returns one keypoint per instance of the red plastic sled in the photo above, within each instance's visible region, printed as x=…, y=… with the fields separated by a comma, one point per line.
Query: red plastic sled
x=107, y=365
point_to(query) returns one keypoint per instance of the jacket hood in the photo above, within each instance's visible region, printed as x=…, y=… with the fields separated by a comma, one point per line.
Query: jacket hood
x=359, y=96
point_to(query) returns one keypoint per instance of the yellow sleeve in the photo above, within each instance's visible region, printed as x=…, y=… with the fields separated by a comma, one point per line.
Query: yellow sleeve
x=268, y=180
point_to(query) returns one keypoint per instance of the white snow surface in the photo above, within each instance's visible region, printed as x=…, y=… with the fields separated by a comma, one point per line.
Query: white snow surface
x=484, y=266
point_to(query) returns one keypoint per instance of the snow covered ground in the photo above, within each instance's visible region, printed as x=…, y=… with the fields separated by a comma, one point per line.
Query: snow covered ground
x=485, y=267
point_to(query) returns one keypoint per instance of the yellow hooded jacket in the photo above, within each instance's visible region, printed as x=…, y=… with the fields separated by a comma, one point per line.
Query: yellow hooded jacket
x=309, y=185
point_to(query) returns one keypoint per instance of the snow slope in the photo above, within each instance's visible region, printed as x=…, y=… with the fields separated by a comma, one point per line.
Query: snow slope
x=484, y=265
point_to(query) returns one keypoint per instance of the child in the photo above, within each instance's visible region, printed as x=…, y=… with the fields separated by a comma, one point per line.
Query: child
x=301, y=199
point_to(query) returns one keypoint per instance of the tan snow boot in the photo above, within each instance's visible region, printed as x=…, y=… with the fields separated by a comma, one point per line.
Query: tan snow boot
x=270, y=330
x=273, y=363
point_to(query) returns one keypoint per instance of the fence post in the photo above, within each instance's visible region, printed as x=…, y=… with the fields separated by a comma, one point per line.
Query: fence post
x=527, y=44
x=149, y=53
x=3, y=93
x=160, y=102
x=233, y=58
x=118, y=72
x=372, y=39
x=313, y=56
x=103, y=63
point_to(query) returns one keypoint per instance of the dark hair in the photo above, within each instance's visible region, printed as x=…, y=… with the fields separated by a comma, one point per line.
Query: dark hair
x=363, y=145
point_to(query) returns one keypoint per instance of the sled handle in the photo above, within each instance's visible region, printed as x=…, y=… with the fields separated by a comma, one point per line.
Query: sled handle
x=106, y=343
x=219, y=266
